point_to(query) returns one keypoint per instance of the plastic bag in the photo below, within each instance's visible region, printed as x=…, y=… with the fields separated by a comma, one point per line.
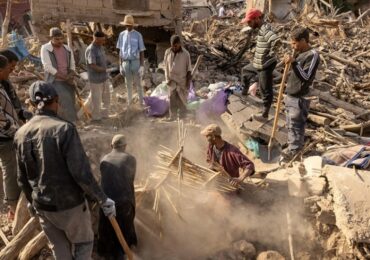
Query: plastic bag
x=157, y=106
x=213, y=107
x=161, y=90
x=192, y=95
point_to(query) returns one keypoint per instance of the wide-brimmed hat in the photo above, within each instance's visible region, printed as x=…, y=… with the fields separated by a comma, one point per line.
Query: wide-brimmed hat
x=129, y=20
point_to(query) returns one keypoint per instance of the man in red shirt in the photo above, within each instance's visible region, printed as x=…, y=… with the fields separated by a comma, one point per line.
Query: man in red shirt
x=226, y=155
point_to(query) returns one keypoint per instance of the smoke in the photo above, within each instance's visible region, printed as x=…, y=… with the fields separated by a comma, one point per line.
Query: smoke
x=197, y=224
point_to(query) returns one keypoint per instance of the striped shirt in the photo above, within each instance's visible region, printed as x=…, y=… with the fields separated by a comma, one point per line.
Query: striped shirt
x=266, y=41
x=9, y=122
x=304, y=71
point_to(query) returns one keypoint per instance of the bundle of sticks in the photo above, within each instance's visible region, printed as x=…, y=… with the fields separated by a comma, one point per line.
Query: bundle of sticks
x=193, y=175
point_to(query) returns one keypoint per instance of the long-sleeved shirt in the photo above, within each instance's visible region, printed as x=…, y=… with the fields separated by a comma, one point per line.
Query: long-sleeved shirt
x=130, y=44
x=230, y=158
x=118, y=171
x=267, y=41
x=303, y=73
x=9, y=122
x=53, y=169
x=50, y=62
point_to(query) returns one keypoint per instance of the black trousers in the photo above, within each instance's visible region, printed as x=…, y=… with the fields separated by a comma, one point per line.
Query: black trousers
x=249, y=76
x=265, y=83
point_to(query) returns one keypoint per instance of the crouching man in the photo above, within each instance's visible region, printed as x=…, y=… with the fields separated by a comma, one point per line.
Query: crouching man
x=118, y=170
x=225, y=155
x=54, y=173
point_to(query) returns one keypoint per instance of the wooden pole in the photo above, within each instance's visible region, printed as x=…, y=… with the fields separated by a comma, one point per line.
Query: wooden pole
x=34, y=246
x=69, y=33
x=121, y=238
x=5, y=26
x=278, y=105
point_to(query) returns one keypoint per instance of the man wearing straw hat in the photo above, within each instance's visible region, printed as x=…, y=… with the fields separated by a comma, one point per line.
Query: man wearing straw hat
x=224, y=156
x=118, y=170
x=131, y=57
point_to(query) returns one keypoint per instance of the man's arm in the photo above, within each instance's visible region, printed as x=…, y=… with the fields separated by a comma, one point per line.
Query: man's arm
x=78, y=164
x=141, y=49
x=245, y=164
x=308, y=71
x=91, y=61
x=22, y=177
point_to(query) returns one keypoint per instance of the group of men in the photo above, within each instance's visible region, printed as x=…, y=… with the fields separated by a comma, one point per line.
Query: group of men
x=304, y=65
x=47, y=155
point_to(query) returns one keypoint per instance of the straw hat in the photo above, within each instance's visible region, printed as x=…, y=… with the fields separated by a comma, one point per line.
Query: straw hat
x=129, y=20
x=211, y=129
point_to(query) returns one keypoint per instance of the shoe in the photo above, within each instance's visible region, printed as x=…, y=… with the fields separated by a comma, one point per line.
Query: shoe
x=262, y=117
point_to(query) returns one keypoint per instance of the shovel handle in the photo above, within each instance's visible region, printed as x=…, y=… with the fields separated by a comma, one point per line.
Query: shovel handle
x=121, y=238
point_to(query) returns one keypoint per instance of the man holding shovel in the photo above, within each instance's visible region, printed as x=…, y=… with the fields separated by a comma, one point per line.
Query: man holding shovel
x=304, y=67
x=55, y=175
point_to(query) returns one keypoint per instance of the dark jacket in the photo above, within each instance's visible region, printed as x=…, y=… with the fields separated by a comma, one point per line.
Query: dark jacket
x=14, y=98
x=53, y=169
x=117, y=176
x=231, y=159
x=303, y=73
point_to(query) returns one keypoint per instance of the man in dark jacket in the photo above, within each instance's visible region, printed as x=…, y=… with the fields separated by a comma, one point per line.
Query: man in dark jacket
x=118, y=170
x=222, y=154
x=54, y=173
x=304, y=67
x=9, y=124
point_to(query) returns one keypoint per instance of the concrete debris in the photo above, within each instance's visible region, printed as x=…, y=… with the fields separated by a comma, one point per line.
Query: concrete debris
x=270, y=255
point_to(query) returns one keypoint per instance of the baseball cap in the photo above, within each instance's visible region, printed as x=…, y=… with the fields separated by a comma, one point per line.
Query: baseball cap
x=118, y=141
x=41, y=91
x=211, y=129
x=251, y=14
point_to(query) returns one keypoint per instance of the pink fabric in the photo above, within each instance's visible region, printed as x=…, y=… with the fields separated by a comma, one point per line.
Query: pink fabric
x=62, y=61
x=253, y=13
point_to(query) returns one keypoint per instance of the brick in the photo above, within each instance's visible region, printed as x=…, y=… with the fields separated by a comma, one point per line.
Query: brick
x=155, y=5
x=65, y=2
x=165, y=5
x=95, y=3
x=107, y=4
x=79, y=2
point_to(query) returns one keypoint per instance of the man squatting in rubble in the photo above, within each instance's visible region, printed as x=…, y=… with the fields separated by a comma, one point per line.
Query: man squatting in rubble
x=264, y=61
x=98, y=77
x=54, y=174
x=304, y=66
x=178, y=76
x=131, y=58
x=118, y=170
x=225, y=155
x=59, y=66
x=9, y=124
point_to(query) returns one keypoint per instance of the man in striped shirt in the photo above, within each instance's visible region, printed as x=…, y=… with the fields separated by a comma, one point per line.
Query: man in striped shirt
x=264, y=61
x=304, y=67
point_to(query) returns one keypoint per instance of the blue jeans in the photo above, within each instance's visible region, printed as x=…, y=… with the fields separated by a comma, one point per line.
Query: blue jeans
x=296, y=118
x=131, y=69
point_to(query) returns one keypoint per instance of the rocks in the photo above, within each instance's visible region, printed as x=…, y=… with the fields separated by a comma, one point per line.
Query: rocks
x=240, y=250
x=270, y=255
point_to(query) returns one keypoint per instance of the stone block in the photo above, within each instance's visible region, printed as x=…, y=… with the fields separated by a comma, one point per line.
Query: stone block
x=165, y=5
x=155, y=5
x=107, y=4
x=79, y=2
x=326, y=217
x=270, y=255
x=65, y=2
x=247, y=249
x=94, y=3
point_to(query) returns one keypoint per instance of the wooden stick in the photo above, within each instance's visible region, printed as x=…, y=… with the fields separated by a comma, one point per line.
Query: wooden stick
x=290, y=237
x=3, y=237
x=121, y=238
x=199, y=60
x=69, y=33
x=278, y=104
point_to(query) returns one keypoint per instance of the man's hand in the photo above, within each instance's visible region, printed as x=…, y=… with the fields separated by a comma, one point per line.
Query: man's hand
x=109, y=208
x=141, y=71
x=236, y=181
x=288, y=59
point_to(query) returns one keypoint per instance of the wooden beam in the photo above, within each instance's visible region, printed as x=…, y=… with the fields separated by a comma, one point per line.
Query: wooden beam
x=34, y=246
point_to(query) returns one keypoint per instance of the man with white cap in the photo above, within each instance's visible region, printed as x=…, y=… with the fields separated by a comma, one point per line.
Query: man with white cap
x=226, y=156
x=59, y=66
x=54, y=173
x=131, y=57
x=118, y=170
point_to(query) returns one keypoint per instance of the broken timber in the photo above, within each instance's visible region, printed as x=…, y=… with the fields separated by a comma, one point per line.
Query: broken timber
x=242, y=108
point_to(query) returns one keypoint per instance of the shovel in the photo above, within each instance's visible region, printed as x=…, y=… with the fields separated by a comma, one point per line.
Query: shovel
x=121, y=238
x=278, y=105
